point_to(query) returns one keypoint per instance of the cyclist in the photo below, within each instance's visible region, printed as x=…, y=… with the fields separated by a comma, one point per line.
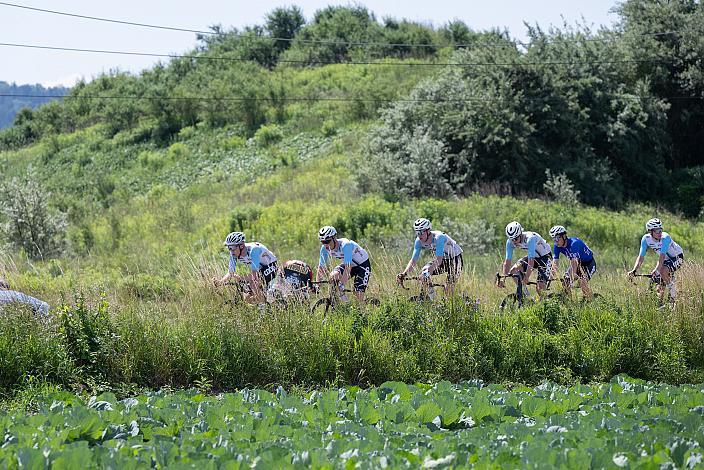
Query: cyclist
x=355, y=261
x=538, y=257
x=581, y=259
x=670, y=258
x=448, y=257
x=255, y=255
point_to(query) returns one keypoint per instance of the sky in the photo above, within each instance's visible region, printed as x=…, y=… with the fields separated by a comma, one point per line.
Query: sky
x=52, y=68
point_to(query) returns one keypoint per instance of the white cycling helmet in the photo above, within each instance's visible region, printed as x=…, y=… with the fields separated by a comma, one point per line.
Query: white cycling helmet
x=652, y=224
x=234, y=238
x=557, y=230
x=422, y=224
x=326, y=233
x=514, y=230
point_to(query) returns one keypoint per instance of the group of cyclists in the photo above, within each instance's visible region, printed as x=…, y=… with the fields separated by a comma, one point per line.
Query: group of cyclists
x=355, y=265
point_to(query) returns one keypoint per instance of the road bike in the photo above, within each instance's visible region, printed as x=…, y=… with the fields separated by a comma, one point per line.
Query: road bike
x=422, y=295
x=655, y=280
x=522, y=295
x=336, y=296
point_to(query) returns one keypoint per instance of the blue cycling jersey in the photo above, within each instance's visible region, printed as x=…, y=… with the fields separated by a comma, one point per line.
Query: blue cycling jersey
x=575, y=248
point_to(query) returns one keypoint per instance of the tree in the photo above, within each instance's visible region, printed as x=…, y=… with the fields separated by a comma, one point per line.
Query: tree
x=672, y=65
x=284, y=23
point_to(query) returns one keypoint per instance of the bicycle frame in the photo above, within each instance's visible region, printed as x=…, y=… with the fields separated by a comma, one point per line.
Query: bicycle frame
x=520, y=285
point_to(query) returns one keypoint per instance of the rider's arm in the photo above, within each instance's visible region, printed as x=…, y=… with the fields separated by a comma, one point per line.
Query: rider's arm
x=666, y=241
x=230, y=272
x=440, y=249
x=641, y=255
x=509, y=256
x=531, y=256
x=324, y=256
x=347, y=256
x=256, y=255
x=414, y=257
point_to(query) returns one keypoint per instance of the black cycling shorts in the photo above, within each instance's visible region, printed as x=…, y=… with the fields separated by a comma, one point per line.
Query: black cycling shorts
x=268, y=272
x=673, y=264
x=542, y=265
x=586, y=269
x=360, y=274
x=451, y=266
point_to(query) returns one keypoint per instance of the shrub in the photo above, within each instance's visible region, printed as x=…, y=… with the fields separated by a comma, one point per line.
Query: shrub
x=477, y=236
x=560, y=188
x=243, y=216
x=88, y=335
x=268, y=135
x=151, y=160
x=30, y=224
x=328, y=129
x=178, y=151
x=30, y=347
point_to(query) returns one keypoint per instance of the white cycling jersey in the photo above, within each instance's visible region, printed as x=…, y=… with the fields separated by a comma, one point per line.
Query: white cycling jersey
x=665, y=245
x=536, y=246
x=346, y=250
x=255, y=255
x=439, y=243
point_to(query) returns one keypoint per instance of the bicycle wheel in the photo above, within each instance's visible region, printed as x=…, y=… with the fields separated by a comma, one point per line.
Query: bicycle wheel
x=321, y=306
x=509, y=302
x=420, y=298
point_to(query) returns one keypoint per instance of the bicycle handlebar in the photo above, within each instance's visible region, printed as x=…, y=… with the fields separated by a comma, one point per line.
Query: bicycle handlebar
x=500, y=276
x=415, y=278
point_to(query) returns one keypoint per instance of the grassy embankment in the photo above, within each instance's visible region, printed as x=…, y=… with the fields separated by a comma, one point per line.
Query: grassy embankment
x=148, y=317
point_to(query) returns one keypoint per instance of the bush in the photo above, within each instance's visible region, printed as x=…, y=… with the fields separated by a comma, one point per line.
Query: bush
x=30, y=347
x=178, y=151
x=477, y=236
x=29, y=223
x=153, y=161
x=88, y=335
x=243, y=215
x=268, y=135
x=560, y=188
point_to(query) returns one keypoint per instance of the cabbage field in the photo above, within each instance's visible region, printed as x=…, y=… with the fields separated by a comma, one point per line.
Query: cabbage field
x=623, y=423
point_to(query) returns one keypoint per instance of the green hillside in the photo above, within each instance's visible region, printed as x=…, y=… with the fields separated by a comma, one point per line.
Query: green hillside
x=115, y=202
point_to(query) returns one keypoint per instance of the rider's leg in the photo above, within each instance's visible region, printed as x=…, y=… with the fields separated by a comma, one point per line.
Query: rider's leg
x=668, y=283
x=336, y=283
x=256, y=293
x=361, y=275
x=544, y=267
x=426, y=281
x=454, y=269
x=517, y=273
x=584, y=285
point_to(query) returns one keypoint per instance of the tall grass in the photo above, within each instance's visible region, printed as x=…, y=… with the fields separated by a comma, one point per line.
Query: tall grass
x=135, y=308
x=191, y=337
